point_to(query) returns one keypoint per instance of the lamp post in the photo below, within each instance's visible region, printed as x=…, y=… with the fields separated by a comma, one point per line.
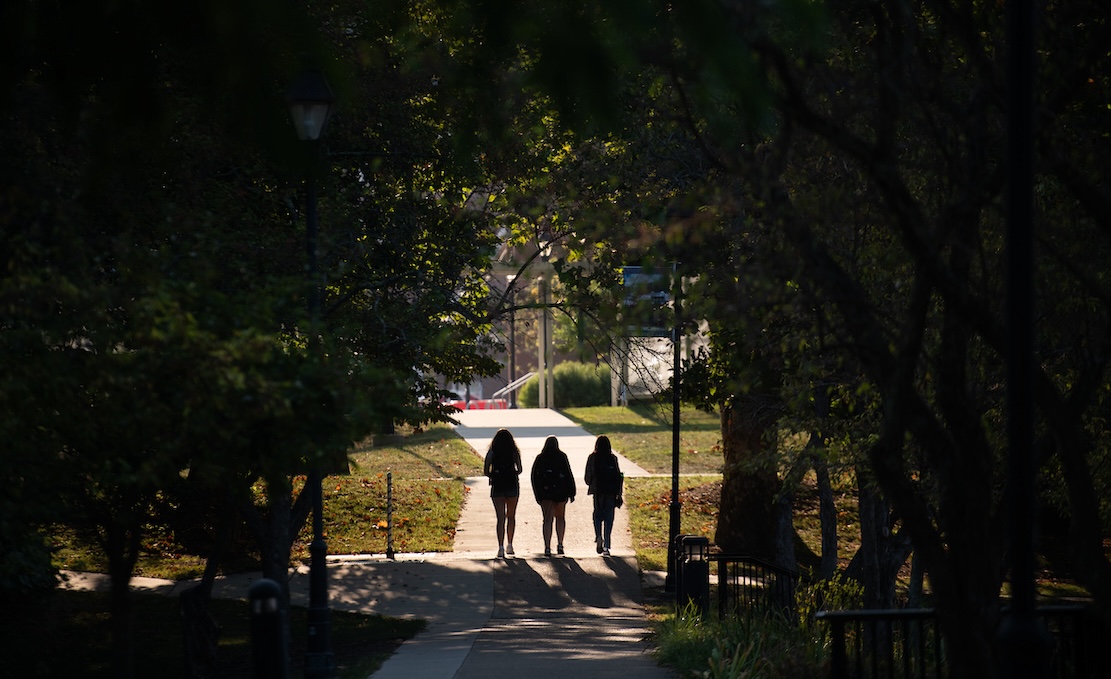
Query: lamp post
x=310, y=103
x=674, y=514
x=512, y=281
x=1023, y=637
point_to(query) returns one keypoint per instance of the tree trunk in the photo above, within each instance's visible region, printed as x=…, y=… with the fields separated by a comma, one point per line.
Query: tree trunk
x=199, y=632
x=788, y=543
x=747, y=521
x=123, y=629
x=818, y=458
x=275, y=535
x=123, y=549
x=882, y=552
x=915, y=589
x=827, y=515
x=785, y=534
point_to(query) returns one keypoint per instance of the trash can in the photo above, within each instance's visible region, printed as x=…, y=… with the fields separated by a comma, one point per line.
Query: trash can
x=694, y=569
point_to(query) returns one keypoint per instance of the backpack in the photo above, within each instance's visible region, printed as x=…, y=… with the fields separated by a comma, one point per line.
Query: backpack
x=501, y=473
x=607, y=478
x=549, y=482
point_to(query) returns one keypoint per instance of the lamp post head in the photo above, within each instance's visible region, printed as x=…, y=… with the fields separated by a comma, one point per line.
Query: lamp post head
x=310, y=103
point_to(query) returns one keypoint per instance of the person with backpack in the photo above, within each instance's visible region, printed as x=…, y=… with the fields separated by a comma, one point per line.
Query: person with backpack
x=553, y=485
x=604, y=481
x=502, y=467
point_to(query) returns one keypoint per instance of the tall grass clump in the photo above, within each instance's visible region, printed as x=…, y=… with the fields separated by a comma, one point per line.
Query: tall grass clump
x=839, y=593
x=741, y=647
x=756, y=644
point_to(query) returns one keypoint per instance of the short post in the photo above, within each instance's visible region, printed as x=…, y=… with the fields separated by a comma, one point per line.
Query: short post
x=839, y=661
x=389, y=515
x=268, y=650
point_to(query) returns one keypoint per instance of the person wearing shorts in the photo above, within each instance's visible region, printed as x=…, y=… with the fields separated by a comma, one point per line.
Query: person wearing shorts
x=553, y=486
x=503, y=468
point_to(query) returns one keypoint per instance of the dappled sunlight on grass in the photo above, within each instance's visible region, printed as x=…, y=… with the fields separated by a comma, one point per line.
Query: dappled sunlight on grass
x=427, y=468
x=649, y=501
x=355, y=515
x=643, y=434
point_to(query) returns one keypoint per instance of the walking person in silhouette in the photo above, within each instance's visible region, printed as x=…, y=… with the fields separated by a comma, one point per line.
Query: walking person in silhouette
x=502, y=467
x=553, y=485
x=604, y=481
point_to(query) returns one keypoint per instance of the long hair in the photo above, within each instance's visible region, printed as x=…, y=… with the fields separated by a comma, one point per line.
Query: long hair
x=503, y=449
x=551, y=446
x=602, y=446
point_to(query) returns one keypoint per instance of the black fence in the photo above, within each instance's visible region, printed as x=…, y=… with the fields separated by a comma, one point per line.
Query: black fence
x=888, y=644
x=884, y=643
x=744, y=585
x=906, y=643
x=1079, y=642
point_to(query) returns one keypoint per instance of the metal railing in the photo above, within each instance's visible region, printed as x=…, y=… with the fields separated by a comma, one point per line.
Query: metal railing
x=1079, y=638
x=747, y=585
x=889, y=644
x=905, y=643
x=513, y=386
x=900, y=643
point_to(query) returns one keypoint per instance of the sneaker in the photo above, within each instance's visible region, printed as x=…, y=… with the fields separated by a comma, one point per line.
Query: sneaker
x=605, y=552
x=559, y=549
x=598, y=544
x=509, y=550
x=501, y=553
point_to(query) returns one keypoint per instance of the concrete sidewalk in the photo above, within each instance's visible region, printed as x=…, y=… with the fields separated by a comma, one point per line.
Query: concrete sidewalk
x=579, y=614
x=475, y=533
x=573, y=615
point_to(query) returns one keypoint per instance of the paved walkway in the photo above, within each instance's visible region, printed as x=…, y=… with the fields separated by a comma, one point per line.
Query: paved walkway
x=528, y=615
x=579, y=614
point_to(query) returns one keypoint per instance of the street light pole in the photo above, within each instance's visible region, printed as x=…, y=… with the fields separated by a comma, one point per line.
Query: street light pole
x=310, y=102
x=1022, y=636
x=512, y=338
x=675, y=507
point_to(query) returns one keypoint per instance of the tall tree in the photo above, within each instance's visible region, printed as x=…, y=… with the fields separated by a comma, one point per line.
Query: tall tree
x=154, y=312
x=872, y=144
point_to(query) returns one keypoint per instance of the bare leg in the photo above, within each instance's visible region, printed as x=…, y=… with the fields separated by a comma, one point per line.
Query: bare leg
x=499, y=511
x=559, y=510
x=510, y=512
x=546, y=506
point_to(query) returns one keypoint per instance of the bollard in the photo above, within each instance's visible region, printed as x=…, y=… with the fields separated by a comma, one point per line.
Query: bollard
x=389, y=515
x=267, y=631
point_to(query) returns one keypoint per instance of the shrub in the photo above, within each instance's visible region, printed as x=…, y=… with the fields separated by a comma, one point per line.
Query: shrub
x=839, y=593
x=577, y=385
x=25, y=568
x=743, y=647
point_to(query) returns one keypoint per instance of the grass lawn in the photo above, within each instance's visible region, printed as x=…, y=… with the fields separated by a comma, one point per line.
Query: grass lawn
x=643, y=434
x=648, y=501
x=68, y=634
x=427, y=468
